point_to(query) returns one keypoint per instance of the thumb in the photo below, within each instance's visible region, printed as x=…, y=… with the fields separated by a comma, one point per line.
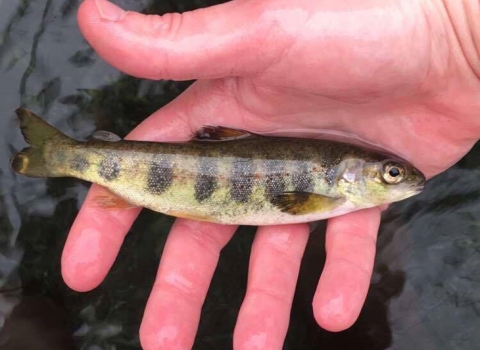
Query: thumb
x=218, y=41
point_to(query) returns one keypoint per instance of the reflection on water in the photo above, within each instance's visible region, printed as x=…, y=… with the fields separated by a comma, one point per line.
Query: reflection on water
x=425, y=291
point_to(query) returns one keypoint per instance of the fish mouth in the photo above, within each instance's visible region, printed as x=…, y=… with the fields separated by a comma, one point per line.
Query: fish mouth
x=415, y=189
x=418, y=183
x=418, y=187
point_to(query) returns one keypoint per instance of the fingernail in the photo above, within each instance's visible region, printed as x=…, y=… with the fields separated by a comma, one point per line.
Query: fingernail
x=109, y=11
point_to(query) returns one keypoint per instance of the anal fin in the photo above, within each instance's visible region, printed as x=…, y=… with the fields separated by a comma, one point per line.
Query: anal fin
x=107, y=200
x=190, y=216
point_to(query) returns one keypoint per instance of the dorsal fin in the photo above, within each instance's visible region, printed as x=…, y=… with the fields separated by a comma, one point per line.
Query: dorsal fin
x=221, y=133
x=102, y=135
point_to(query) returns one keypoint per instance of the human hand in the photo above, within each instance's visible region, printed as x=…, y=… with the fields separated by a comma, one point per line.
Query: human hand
x=391, y=73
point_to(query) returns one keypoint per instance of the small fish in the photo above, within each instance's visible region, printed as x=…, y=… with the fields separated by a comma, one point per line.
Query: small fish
x=222, y=175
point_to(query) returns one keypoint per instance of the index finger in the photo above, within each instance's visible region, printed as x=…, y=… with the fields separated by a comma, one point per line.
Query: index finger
x=94, y=241
x=343, y=286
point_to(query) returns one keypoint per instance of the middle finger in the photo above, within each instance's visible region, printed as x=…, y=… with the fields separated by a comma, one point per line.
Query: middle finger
x=186, y=269
x=274, y=266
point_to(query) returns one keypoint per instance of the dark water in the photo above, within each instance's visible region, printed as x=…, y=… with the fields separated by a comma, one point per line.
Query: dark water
x=425, y=292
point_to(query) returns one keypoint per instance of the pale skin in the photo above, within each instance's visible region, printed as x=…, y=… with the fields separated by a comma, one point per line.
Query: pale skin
x=402, y=75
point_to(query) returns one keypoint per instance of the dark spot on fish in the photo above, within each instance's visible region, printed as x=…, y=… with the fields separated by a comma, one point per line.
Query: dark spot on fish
x=242, y=178
x=330, y=176
x=302, y=178
x=109, y=167
x=60, y=156
x=323, y=162
x=275, y=181
x=160, y=175
x=206, y=181
x=79, y=163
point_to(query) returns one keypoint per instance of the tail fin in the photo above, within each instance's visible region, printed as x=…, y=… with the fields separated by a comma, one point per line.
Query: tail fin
x=31, y=161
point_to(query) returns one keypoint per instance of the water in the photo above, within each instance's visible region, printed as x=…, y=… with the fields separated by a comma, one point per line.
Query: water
x=425, y=292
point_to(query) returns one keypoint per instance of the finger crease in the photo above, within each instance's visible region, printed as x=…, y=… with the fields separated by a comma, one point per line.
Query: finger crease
x=291, y=254
x=364, y=237
x=364, y=270
x=269, y=293
x=204, y=240
x=179, y=286
x=119, y=226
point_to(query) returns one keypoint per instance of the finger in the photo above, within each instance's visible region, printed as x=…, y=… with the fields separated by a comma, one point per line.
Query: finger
x=343, y=286
x=93, y=242
x=186, y=269
x=274, y=266
x=211, y=42
x=97, y=234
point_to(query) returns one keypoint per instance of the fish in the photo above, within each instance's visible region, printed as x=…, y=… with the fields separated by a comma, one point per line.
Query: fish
x=222, y=175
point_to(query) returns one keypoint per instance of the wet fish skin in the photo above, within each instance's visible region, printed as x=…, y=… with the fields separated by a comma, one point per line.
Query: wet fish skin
x=241, y=179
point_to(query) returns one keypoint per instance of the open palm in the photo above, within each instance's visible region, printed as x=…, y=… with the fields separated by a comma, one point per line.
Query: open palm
x=387, y=72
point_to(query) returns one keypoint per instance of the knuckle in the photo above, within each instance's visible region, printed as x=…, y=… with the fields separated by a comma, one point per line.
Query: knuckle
x=207, y=236
x=259, y=293
x=107, y=219
x=363, y=268
x=167, y=26
x=181, y=285
x=166, y=32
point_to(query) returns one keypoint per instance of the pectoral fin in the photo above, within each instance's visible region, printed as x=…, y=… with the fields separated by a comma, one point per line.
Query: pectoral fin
x=220, y=133
x=300, y=203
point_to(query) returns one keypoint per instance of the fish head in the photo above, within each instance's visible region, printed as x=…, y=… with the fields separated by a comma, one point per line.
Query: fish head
x=372, y=182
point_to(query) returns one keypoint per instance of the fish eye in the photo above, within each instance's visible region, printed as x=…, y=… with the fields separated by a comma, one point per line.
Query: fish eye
x=393, y=173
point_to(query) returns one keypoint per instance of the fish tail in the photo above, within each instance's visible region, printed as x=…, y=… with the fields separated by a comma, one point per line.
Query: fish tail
x=34, y=160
